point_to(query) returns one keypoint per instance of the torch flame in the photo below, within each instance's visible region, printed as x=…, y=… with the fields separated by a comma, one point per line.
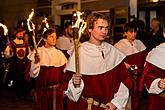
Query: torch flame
x=46, y=24
x=80, y=23
x=31, y=28
x=4, y=28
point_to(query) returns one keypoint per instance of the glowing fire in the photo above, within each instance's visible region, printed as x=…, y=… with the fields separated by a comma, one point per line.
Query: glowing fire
x=31, y=28
x=46, y=24
x=4, y=28
x=80, y=23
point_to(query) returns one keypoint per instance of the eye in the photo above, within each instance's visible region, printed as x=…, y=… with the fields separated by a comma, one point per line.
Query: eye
x=100, y=27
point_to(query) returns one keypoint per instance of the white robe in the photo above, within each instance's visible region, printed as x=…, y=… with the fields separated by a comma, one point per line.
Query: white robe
x=101, y=59
x=127, y=48
x=48, y=57
x=156, y=57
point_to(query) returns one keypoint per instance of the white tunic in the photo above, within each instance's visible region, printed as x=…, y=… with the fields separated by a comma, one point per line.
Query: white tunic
x=64, y=43
x=48, y=57
x=101, y=59
x=156, y=57
x=130, y=48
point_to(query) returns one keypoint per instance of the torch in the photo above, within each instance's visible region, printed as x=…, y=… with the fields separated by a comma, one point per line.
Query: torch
x=78, y=28
x=6, y=34
x=6, y=66
x=46, y=26
x=31, y=27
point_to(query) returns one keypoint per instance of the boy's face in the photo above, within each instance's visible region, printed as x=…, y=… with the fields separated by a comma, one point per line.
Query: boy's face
x=131, y=34
x=100, y=30
x=20, y=35
x=51, y=40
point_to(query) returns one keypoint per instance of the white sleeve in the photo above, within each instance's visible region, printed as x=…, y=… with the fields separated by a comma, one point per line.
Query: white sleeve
x=121, y=97
x=154, y=89
x=74, y=93
x=35, y=68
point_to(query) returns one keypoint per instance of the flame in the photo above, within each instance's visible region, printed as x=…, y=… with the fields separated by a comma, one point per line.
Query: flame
x=80, y=23
x=4, y=28
x=31, y=28
x=46, y=24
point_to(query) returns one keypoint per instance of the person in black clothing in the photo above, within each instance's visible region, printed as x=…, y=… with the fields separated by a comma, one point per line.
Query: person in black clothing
x=141, y=32
x=155, y=36
x=3, y=41
x=16, y=52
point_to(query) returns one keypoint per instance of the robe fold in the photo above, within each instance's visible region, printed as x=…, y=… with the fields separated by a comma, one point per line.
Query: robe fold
x=154, y=70
x=105, y=78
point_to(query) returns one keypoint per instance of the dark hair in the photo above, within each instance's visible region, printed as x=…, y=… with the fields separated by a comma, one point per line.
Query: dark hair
x=19, y=29
x=129, y=26
x=67, y=24
x=94, y=17
x=48, y=32
x=59, y=30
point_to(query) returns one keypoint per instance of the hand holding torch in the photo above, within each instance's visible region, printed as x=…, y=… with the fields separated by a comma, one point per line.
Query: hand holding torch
x=78, y=29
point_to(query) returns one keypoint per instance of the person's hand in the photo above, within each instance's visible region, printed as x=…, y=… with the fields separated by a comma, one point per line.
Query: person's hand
x=11, y=51
x=127, y=65
x=161, y=84
x=76, y=78
x=110, y=106
x=36, y=57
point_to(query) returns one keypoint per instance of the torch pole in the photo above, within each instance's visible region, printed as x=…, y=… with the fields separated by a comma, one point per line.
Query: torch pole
x=8, y=65
x=78, y=28
x=76, y=45
x=34, y=42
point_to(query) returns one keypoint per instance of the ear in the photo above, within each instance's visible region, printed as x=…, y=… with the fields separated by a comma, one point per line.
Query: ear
x=90, y=30
x=125, y=34
x=45, y=39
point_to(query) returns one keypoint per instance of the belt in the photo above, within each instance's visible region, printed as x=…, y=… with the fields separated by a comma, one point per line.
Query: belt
x=49, y=87
x=53, y=86
x=162, y=94
x=91, y=102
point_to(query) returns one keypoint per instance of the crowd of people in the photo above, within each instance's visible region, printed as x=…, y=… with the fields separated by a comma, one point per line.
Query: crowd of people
x=110, y=76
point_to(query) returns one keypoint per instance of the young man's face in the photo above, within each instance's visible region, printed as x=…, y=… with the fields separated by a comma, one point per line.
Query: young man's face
x=20, y=35
x=131, y=34
x=154, y=24
x=51, y=40
x=100, y=30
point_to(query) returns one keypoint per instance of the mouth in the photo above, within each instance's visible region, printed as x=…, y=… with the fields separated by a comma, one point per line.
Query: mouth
x=103, y=36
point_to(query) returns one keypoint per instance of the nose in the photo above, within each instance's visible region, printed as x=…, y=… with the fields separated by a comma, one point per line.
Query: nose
x=134, y=32
x=104, y=30
x=54, y=38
